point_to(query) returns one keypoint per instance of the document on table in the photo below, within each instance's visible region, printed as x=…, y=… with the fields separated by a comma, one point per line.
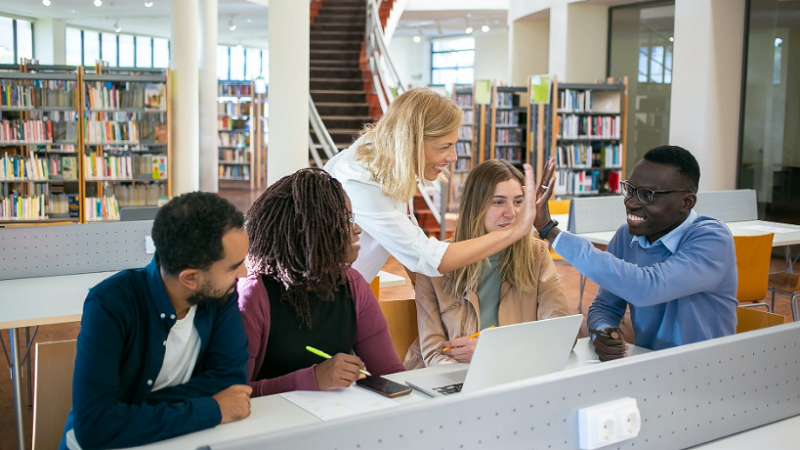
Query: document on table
x=329, y=405
x=768, y=229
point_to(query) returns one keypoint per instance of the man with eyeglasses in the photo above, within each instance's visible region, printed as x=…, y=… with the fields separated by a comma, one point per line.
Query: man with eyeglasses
x=676, y=270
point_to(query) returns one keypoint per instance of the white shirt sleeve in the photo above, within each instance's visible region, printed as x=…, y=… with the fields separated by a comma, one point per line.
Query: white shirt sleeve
x=388, y=223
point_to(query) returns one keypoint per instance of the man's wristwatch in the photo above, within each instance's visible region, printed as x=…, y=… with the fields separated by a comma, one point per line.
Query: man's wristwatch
x=546, y=229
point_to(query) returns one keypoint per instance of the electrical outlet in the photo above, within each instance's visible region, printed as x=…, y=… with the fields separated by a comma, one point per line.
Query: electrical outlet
x=608, y=423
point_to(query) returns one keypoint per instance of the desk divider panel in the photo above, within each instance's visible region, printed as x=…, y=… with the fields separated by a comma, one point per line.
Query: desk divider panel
x=728, y=206
x=596, y=214
x=687, y=396
x=73, y=249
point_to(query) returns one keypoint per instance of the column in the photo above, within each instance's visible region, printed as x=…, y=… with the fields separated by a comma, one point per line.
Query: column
x=288, y=88
x=49, y=41
x=706, y=86
x=185, y=104
x=529, y=42
x=209, y=153
x=587, y=42
x=557, y=56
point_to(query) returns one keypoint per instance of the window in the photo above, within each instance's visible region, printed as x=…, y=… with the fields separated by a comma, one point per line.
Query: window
x=452, y=61
x=108, y=48
x=126, y=50
x=160, y=53
x=237, y=63
x=15, y=45
x=91, y=47
x=144, y=52
x=222, y=62
x=265, y=65
x=253, y=63
x=74, y=43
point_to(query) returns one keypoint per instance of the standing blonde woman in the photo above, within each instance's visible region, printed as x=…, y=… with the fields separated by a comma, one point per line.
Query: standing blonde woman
x=414, y=140
x=515, y=285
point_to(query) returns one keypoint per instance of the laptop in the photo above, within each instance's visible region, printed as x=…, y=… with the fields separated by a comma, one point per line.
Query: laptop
x=503, y=355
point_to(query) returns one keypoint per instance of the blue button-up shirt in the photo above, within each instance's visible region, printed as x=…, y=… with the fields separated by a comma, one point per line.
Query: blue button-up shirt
x=126, y=321
x=680, y=289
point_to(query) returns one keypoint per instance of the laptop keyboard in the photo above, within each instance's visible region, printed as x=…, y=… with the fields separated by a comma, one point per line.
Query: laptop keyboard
x=449, y=389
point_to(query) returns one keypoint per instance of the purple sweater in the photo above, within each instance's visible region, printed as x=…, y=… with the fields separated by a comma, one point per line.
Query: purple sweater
x=373, y=343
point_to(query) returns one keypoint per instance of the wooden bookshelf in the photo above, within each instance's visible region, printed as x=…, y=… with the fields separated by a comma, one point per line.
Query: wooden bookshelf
x=463, y=96
x=242, y=120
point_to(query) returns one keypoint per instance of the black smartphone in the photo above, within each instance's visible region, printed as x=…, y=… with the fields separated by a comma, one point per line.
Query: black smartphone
x=384, y=387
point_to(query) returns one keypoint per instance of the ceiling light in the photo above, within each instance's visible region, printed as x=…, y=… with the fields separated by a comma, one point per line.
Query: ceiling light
x=148, y=4
x=46, y=2
x=117, y=28
x=239, y=46
x=73, y=11
x=231, y=25
x=469, y=28
x=418, y=36
x=671, y=39
x=778, y=42
x=485, y=28
x=249, y=20
x=98, y=3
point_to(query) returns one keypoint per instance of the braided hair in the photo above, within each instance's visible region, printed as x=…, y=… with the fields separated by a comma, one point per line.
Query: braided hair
x=299, y=235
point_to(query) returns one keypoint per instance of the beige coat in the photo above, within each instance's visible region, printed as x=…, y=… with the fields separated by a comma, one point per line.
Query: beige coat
x=441, y=316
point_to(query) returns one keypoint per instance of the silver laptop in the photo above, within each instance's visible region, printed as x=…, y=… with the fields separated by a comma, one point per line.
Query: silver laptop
x=509, y=353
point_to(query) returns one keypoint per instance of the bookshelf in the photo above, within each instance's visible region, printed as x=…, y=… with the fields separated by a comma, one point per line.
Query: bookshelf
x=242, y=122
x=588, y=137
x=508, y=128
x=463, y=96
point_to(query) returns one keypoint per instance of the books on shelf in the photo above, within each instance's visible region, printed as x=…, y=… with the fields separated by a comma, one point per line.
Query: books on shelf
x=100, y=209
x=587, y=156
x=465, y=132
x=464, y=101
x=234, y=172
x=16, y=207
x=234, y=109
x=145, y=166
x=587, y=127
x=239, y=140
x=17, y=131
x=468, y=116
x=138, y=195
x=155, y=96
x=464, y=148
x=31, y=94
x=462, y=166
x=234, y=155
x=235, y=90
x=228, y=124
x=110, y=131
x=508, y=136
x=505, y=99
x=18, y=168
x=512, y=154
x=575, y=101
x=587, y=182
x=59, y=205
x=508, y=118
x=106, y=95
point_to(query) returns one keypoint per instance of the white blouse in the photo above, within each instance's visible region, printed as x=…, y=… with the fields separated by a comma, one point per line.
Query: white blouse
x=388, y=226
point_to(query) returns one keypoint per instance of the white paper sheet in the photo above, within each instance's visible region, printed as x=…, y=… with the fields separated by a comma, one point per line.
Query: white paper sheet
x=768, y=229
x=339, y=403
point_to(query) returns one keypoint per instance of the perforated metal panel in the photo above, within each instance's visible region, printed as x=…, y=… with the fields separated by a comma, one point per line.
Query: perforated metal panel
x=73, y=249
x=687, y=396
x=728, y=206
x=593, y=214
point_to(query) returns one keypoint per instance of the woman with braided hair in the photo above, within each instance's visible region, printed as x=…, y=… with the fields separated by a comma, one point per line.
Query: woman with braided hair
x=413, y=141
x=301, y=291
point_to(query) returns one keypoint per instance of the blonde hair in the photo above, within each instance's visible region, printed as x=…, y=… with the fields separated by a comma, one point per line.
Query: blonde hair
x=517, y=261
x=394, y=148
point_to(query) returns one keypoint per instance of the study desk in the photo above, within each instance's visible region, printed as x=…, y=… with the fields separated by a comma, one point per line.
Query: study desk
x=30, y=302
x=275, y=413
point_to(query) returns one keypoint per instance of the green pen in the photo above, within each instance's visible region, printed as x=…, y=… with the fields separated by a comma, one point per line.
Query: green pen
x=327, y=356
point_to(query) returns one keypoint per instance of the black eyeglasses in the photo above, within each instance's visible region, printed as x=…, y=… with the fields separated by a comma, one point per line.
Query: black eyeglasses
x=645, y=196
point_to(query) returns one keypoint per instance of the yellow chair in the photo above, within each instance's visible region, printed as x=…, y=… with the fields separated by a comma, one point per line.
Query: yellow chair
x=558, y=207
x=753, y=319
x=52, y=399
x=753, y=254
x=401, y=316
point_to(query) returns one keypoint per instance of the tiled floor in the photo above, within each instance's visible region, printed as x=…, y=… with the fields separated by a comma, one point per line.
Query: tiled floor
x=242, y=199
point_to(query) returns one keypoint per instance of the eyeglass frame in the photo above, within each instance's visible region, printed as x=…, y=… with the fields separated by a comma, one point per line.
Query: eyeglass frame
x=633, y=189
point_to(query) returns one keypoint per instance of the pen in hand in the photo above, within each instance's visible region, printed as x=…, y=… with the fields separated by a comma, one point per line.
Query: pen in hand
x=327, y=356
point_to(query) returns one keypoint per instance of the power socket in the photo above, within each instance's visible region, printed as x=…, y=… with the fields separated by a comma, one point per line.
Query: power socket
x=608, y=423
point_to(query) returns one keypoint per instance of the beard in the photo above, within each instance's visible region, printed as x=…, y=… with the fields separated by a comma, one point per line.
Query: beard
x=207, y=295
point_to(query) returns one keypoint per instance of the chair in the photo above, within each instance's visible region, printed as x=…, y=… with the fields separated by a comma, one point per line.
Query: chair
x=753, y=254
x=401, y=316
x=753, y=319
x=558, y=207
x=55, y=362
x=786, y=284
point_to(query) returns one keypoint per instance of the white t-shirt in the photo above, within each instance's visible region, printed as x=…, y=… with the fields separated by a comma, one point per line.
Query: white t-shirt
x=183, y=347
x=384, y=221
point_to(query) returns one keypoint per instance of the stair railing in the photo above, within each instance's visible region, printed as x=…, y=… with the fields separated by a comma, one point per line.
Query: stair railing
x=387, y=85
x=321, y=132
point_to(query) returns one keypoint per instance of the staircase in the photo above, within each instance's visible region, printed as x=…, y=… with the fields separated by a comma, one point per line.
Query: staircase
x=337, y=81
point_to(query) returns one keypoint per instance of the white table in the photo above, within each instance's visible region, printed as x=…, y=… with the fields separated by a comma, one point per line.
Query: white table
x=274, y=413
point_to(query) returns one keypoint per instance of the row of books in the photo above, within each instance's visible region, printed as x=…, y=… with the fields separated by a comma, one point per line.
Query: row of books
x=505, y=99
x=464, y=100
x=464, y=148
x=462, y=165
x=512, y=154
x=18, y=168
x=508, y=136
x=575, y=101
x=233, y=109
x=116, y=95
x=508, y=118
x=589, y=127
x=26, y=94
x=234, y=155
x=65, y=205
x=468, y=116
x=465, y=132
x=235, y=172
x=234, y=140
x=235, y=90
x=100, y=209
x=228, y=123
x=139, y=195
x=17, y=207
x=100, y=167
x=587, y=156
x=589, y=182
x=111, y=131
x=26, y=131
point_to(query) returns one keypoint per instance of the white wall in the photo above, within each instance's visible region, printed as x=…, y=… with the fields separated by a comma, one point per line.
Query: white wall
x=491, y=56
x=49, y=41
x=529, y=48
x=587, y=42
x=408, y=58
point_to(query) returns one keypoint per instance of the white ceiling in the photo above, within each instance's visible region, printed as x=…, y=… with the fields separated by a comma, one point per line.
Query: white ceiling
x=135, y=18
x=451, y=22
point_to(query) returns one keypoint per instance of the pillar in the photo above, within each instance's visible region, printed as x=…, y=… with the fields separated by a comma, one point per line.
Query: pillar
x=185, y=102
x=529, y=42
x=49, y=41
x=209, y=153
x=288, y=88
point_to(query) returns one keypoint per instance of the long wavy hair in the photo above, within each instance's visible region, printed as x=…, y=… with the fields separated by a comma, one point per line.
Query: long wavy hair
x=299, y=235
x=517, y=261
x=393, y=148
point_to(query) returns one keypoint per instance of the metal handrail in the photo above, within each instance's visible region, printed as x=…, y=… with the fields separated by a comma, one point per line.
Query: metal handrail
x=321, y=131
x=314, y=153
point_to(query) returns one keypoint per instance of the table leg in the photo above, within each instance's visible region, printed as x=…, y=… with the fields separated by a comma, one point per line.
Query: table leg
x=580, y=294
x=14, y=344
x=27, y=357
x=788, y=250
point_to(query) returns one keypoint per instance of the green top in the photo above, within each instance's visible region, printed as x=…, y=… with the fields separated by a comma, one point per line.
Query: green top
x=489, y=292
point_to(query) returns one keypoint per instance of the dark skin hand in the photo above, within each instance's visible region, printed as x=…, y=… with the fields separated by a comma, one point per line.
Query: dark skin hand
x=609, y=344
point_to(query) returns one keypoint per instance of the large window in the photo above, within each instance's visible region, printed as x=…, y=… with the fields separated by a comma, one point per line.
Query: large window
x=452, y=61
x=91, y=47
x=144, y=52
x=16, y=40
x=640, y=42
x=108, y=47
x=769, y=159
x=239, y=63
x=126, y=50
x=160, y=52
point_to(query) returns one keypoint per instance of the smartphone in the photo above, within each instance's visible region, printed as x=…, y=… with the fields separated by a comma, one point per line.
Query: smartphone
x=384, y=387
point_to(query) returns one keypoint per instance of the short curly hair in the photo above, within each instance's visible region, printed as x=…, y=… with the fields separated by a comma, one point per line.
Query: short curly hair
x=679, y=158
x=187, y=231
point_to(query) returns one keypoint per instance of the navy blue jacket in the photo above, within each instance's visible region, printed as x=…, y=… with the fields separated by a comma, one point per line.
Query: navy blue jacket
x=124, y=329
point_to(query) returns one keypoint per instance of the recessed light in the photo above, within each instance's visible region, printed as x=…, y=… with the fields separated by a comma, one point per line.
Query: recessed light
x=117, y=28
x=73, y=11
x=98, y=3
x=239, y=46
x=249, y=20
x=485, y=28
x=231, y=25
x=148, y=4
x=46, y=2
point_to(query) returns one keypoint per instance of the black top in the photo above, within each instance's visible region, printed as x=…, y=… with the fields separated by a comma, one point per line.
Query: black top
x=333, y=330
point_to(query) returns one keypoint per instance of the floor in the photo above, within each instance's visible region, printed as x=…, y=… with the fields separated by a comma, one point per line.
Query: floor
x=242, y=200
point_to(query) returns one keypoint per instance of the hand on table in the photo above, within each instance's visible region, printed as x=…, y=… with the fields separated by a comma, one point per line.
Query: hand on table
x=234, y=402
x=461, y=349
x=340, y=371
x=609, y=344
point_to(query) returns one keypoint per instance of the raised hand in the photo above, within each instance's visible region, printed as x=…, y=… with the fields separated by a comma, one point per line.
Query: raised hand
x=545, y=191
